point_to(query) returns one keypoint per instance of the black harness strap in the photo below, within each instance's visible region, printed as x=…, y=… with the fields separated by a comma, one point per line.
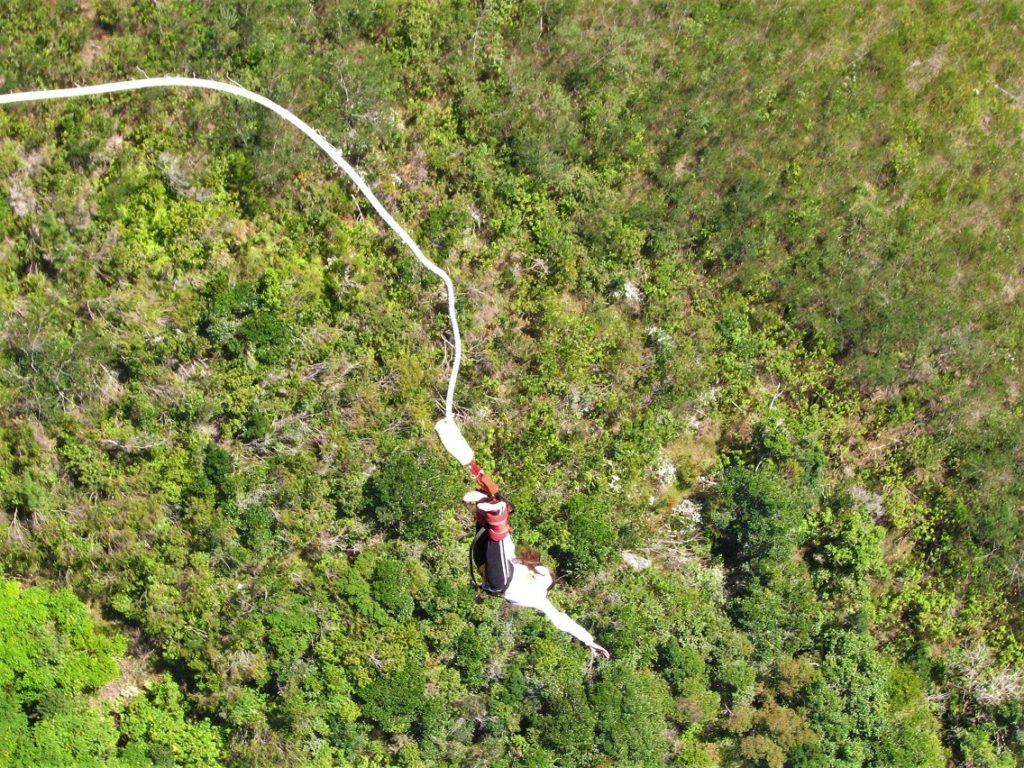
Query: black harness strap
x=472, y=565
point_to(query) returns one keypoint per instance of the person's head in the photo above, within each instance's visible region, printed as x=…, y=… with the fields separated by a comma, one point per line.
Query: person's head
x=528, y=556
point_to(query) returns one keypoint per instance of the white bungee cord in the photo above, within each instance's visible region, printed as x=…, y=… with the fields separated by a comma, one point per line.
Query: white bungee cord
x=447, y=429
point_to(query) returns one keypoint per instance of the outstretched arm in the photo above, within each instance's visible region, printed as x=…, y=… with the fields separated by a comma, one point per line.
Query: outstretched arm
x=567, y=624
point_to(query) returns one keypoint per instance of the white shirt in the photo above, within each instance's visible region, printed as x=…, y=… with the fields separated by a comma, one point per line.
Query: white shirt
x=530, y=590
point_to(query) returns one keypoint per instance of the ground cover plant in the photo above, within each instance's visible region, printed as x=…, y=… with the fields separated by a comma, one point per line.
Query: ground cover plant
x=741, y=286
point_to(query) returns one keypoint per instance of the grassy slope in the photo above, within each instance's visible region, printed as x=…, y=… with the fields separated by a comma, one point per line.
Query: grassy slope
x=820, y=211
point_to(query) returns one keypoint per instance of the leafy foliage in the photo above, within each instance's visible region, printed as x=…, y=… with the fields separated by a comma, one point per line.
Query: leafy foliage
x=741, y=293
x=54, y=654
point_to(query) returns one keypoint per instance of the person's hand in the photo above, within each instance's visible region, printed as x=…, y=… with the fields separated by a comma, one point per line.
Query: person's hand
x=596, y=649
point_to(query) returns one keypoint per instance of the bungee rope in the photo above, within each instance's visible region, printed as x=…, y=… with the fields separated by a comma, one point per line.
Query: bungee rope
x=447, y=429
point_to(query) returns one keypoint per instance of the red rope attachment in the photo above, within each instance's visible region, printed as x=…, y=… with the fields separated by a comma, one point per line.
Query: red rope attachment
x=487, y=485
x=497, y=521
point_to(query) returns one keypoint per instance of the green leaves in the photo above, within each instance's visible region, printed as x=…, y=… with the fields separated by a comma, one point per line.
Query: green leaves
x=631, y=709
x=412, y=492
x=53, y=657
x=760, y=514
x=243, y=319
x=763, y=264
x=858, y=710
x=391, y=587
x=394, y=699
x=155, y=729
x=48, y=641
x=591, y=535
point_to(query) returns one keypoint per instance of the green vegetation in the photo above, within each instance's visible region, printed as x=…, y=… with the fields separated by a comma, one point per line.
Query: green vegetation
x=741, y=286
x=51, y=658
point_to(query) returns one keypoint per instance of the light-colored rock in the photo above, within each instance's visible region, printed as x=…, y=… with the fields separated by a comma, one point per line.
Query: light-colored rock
x=874, y=503
x=665, y=472
x=635, y=562
x=21, y=197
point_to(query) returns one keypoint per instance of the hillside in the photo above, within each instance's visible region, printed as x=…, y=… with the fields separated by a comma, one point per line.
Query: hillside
x=741, y=291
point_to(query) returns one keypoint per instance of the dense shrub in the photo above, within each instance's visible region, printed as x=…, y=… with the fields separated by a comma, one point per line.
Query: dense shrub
x=592, y=536
x=411, y=493
x=631, y=708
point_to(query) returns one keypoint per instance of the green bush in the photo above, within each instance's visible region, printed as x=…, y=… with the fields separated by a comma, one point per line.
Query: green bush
x=50, y=643
x=243, y=319
x=412, y=492
x=391, y=587
x=155, y=730
x=592, y=536
x=865, y=708
x=759, y=512
x=736, y=679
x=567, y=725
x=394, y=699
x=632, y=708
x=53, y=656
x=782, y=616
x=776, y=251
x=679, y=663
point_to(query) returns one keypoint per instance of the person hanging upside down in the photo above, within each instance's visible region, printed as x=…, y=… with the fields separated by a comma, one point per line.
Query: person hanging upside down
x=521, y=580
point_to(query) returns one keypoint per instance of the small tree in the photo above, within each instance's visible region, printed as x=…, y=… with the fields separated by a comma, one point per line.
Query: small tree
x=592, y=536
x=410, y=492
x=632, y=709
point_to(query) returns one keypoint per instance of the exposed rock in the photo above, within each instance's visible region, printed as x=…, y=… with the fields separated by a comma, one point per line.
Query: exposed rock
x=184, y=176
x=665, y=472
x=635, y=562
x=872, y=502
x=630, y=295
x=21, y=197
